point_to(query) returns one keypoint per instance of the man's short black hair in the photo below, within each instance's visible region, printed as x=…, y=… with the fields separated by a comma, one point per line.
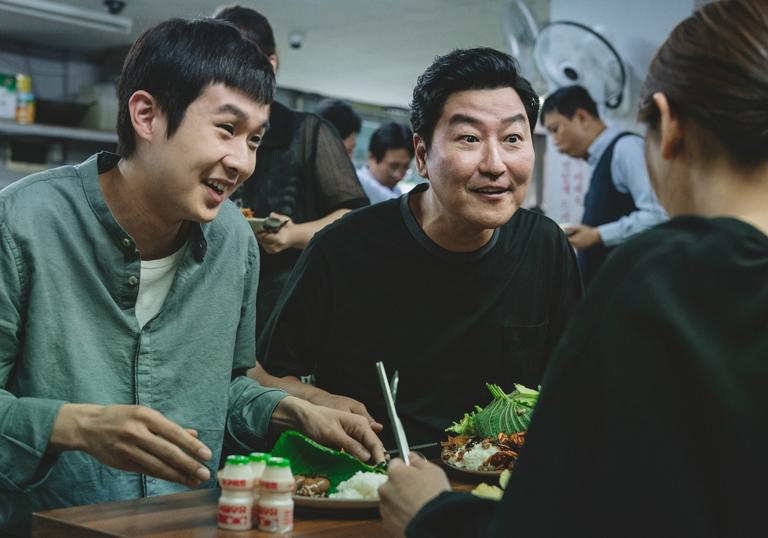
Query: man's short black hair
x=461, y=70
x=390, y=136
x=341, y=115
x=568, y=100
x=252, y=24
x=178, y=59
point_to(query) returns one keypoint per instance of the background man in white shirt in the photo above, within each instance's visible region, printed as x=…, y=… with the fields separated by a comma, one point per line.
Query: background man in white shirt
x=390, y=153
x=620, y=201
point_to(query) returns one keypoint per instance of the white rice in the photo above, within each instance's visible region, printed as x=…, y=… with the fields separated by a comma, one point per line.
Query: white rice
x=362, y=486
x=474, y=457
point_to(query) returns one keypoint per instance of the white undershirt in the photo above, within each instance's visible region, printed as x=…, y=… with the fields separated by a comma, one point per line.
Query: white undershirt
x=155, y=281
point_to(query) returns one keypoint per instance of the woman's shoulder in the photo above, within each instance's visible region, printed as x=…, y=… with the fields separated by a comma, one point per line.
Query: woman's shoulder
x=683, y=249
x=691, y=237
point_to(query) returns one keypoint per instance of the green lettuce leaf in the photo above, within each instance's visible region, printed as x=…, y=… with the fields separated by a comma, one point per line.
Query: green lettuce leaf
x=507, y=413
x=313, y=459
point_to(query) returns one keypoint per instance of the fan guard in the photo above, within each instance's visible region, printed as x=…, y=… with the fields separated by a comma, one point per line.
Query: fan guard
x=569, y=53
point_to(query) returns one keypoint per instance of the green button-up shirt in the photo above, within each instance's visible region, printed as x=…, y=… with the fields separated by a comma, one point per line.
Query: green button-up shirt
x=69, y=279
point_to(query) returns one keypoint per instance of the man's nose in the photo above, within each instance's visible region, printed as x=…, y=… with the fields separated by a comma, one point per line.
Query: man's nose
x=492, y=162
x=240, y=161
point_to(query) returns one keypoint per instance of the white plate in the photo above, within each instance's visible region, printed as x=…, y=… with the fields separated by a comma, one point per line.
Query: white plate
x=324, y=503
x=471, y=475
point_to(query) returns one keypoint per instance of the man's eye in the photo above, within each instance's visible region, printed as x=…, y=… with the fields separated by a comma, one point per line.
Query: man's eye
x=255, y=141
x=514, y=139
x=227, y=127
x=470, y=138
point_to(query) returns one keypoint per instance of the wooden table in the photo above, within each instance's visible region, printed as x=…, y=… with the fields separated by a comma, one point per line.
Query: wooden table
x=189, y=515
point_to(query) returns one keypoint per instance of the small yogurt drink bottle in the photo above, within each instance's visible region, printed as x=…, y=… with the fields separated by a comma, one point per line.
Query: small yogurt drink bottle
x=236, y=501
x=258, y=464
x=276, y=496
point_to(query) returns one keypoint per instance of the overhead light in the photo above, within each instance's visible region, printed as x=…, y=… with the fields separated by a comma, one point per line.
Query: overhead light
x=66, y=14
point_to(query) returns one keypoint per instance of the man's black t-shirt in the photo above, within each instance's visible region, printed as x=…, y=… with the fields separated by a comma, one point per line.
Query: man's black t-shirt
x=653, y=417
x=373, y=287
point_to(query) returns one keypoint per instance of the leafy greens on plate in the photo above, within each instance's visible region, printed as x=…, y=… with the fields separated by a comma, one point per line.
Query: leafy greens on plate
x=507, y=413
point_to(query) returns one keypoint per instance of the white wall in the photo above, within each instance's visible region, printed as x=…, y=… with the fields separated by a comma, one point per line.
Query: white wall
x=636, y=29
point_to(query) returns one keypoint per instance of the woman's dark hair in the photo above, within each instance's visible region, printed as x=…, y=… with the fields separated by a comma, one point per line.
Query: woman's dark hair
x=177, y=60
x=568, y=100
x=252, y=24
x=340, y=115
x=390, y=136
x=462, y=70
x=713, y=69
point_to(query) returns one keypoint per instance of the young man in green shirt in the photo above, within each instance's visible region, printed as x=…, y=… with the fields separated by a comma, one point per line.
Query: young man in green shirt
x=127, y=299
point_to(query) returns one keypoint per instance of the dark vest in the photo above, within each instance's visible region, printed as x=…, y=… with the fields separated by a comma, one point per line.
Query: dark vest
x=602, y=204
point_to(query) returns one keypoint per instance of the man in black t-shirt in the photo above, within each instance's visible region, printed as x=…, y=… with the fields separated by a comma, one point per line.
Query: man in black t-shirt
x=452, y=284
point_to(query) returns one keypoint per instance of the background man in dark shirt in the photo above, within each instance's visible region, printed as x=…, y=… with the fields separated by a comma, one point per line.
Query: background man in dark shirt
x=303, y=175
x=453, y=284
x=344, y=118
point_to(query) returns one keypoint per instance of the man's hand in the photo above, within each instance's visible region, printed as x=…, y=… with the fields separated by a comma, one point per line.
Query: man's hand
x=132, y=438
x=317, y=396
x=343, y=403
x=407, y=490
x=330, y=427
x=582, y=236
x=274, y=242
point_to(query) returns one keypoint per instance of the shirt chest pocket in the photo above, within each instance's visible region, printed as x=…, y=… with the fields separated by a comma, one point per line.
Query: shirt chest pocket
x=524, y=353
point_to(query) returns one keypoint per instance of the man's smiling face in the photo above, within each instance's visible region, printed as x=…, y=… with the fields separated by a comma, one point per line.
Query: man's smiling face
x=211, y=153
x=481, y=158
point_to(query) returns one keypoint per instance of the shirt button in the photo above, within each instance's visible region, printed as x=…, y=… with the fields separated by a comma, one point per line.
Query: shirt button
x=126, y=242
x=132, y=280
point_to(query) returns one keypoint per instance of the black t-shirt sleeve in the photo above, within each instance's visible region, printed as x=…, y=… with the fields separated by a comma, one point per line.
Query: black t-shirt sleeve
x=458, y=515
x=335, y=182
x=293, y=337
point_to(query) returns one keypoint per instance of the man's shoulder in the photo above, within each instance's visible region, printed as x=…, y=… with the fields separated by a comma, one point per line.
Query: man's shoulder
x=231, y=221
x=38, y=191
x=626, y=141
x=534, y=223
x=363, y=224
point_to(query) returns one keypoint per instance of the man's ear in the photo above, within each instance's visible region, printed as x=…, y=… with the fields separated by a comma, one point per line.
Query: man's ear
x=670, y=131
x=420, y=154
x=581, y=116
x=145, y=112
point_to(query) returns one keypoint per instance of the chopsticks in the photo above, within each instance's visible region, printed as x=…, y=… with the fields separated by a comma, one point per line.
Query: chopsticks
x=397, y=426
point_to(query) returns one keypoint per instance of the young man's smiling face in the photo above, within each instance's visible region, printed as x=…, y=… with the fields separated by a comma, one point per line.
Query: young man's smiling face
x=480, y=161
x=209, y=156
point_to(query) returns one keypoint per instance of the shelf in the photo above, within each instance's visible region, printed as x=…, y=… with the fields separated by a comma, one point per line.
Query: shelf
x=57, y=132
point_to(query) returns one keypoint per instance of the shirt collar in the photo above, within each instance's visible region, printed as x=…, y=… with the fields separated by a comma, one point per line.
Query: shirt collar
x=600, y=144
x=89, y=171
x=424, y=240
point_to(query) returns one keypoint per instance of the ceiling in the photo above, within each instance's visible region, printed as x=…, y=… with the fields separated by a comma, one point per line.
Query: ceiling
x=369, y=51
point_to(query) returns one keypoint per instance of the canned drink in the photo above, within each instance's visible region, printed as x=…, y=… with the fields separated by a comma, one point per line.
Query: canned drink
x=25, y=99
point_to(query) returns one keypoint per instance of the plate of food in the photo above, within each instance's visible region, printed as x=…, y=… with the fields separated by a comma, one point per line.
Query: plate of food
x=328, y=479
x=488, y=440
